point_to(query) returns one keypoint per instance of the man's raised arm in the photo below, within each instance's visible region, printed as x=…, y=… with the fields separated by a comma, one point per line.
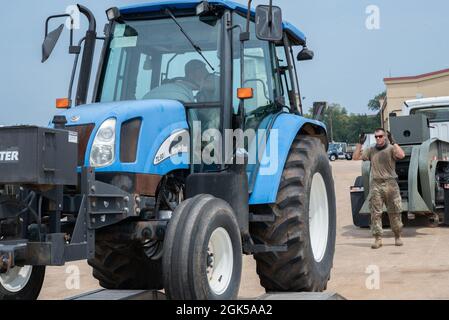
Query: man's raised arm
x=358, y=149
x=399, y=154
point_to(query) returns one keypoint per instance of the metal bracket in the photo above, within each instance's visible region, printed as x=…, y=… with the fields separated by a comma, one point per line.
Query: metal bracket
x=105, y=204
x=261, y=248
x=261, y=217
x=249, y=247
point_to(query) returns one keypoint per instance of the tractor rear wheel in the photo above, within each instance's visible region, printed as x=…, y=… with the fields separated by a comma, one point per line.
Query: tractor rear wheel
x=202, y=251
x=125, y=266
x=22, y=283
x=305, y=221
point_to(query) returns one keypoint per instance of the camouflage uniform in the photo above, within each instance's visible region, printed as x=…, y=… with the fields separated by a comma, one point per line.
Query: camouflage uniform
x=384, y=189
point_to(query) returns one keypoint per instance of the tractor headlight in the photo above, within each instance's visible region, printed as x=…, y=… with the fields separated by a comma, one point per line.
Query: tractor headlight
x=103, y=148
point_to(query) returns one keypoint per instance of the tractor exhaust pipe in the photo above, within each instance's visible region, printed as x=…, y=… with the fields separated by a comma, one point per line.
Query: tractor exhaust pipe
x=88, y=57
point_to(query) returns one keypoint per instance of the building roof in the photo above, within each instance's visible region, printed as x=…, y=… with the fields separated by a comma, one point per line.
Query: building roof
x=434, y=101
x=296, y=36
x=420, y=77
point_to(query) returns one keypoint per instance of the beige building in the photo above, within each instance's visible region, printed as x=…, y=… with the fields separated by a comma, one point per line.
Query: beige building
x=401, y=89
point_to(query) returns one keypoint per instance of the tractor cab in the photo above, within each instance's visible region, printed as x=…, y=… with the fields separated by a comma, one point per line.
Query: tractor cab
x=226, y=65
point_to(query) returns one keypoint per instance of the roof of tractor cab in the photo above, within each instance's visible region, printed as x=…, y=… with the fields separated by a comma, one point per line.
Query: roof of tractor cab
x=296, y=36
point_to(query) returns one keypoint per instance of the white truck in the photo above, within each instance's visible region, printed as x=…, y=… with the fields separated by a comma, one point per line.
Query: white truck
x=437, y=111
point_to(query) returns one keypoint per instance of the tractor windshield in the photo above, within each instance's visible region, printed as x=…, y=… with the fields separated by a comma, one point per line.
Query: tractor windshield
x=153, y=59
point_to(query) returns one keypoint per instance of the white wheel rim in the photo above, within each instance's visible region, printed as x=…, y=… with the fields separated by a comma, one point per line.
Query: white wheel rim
x=220, y=261
x=16, y=279
x=318, y=217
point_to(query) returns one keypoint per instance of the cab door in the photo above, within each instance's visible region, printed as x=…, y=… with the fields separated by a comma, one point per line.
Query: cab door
x=271, y=95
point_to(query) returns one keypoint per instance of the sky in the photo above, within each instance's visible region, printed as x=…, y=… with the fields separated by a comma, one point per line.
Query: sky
x=351, y=58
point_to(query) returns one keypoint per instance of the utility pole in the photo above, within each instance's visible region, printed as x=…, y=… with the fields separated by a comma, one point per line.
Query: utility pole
x=331, y=124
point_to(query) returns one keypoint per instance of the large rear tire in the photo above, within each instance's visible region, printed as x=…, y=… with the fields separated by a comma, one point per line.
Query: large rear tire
x=22, y=283
x=305, y=221
x=125, y=266
x=202, y=251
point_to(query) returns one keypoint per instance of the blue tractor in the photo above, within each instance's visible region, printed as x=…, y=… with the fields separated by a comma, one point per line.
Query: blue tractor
x=193, y=152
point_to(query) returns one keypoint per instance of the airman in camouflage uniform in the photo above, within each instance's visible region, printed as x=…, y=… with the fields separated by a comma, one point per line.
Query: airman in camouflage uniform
x=387, y=192
x=384, y=188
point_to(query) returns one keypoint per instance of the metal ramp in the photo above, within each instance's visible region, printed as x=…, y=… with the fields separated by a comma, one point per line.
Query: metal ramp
x=104, y=294
x=301, y=296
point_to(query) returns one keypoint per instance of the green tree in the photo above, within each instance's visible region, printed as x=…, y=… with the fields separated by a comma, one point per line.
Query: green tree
x=344, y=127
x=361, y=123
x=374, y=104
x=336, y=119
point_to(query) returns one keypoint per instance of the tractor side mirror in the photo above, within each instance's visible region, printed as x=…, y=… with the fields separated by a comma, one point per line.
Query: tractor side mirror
x=305, y=54
x=269, y=23
x=50, y=42
x=319, y=108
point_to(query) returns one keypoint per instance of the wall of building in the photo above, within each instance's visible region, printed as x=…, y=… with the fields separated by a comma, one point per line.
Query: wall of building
x=401, y=89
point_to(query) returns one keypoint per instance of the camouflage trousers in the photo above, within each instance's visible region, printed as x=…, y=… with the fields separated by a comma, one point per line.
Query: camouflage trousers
x=385, y=192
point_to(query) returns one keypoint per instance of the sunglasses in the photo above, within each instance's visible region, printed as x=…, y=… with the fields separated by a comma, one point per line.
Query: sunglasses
x=378, y=137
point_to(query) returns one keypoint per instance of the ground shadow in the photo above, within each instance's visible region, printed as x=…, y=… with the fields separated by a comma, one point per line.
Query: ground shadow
x=365, y=233
x=412, y=228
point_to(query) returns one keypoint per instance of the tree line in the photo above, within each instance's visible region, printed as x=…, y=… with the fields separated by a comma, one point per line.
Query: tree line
x=346, y=127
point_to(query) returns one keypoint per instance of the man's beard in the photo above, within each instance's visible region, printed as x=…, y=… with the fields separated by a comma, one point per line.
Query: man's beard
x=382, y=147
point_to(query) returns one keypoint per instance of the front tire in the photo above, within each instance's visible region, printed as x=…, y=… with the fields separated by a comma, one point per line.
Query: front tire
x=332, y=158
x=22, y=283
x=202, y=251
x=305, y=221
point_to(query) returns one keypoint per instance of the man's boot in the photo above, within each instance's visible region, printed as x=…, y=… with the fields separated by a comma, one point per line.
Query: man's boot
x=397, y=240
x=377, y=243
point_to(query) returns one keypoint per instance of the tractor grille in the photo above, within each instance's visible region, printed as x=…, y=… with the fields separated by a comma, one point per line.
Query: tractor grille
x=129, y=137
x=84, y=132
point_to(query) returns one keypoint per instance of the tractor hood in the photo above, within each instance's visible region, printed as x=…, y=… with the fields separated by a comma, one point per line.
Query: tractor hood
x=159, y=120
x=98, y=112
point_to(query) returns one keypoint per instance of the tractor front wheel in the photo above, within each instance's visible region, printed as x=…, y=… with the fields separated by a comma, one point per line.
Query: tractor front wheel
x=202, y=251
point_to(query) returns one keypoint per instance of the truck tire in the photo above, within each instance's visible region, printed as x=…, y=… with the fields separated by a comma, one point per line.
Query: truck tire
x=357, y=200
x=202, y=257
x=305, y=221
x=125, y=266
x=333, y=157
x=22, y=283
